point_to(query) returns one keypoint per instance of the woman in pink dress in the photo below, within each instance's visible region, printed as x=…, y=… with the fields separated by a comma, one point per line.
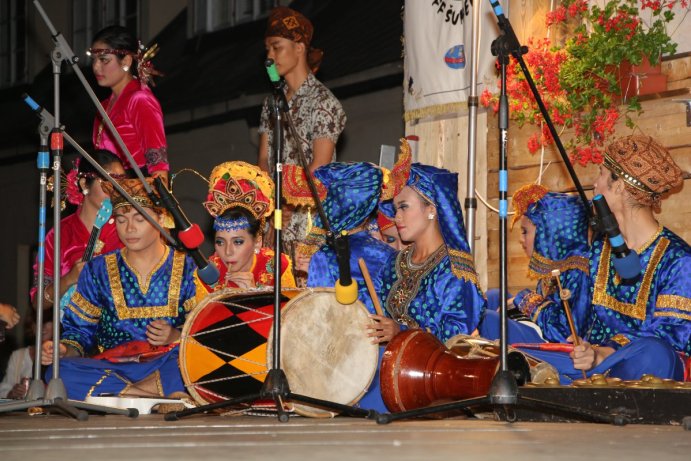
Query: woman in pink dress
x=120, y=62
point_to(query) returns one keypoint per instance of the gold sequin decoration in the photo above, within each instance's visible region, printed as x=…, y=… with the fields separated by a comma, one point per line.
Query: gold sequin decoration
x=600, y=295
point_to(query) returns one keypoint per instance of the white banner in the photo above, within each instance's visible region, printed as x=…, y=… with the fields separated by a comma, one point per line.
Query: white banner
x=438, y=54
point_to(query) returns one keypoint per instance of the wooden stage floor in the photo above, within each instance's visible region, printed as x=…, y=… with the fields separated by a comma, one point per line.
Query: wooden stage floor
x=211, y=437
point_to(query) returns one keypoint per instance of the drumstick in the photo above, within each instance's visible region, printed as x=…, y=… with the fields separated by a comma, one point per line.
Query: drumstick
x=370, y=287
x=564, y=295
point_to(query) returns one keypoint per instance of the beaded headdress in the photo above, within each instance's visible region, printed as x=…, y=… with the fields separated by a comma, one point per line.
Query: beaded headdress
x=524, y=197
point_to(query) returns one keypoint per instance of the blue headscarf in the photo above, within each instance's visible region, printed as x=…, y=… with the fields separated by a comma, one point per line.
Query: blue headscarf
x=352, y=195
x=439, y=187
x=561, y=235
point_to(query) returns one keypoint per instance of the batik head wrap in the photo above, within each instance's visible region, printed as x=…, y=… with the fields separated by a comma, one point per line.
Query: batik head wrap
x=561, y=230
x=288, y=23
x=136, y=190
x=646, y=167
x=239, y=185
x=439, y=187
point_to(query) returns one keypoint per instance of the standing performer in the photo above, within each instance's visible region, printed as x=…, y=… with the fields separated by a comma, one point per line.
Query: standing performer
x=554, y=235
x=121, y=327
x=318, y=116
x=83, y=188
x=640, y=327
x=241, y=197
x=122, y=64
x=432, y=283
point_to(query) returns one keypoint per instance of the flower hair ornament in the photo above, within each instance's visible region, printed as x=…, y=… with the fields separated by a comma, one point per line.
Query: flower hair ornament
x=239, y=185
x=69, y=186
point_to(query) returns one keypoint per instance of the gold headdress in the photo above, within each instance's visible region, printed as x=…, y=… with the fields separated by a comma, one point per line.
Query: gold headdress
x=239, y=184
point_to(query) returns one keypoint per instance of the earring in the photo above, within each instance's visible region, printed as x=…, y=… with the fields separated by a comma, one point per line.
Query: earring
x=125, y=68
x=430, y=216
x=256, y=251
x=85, y=191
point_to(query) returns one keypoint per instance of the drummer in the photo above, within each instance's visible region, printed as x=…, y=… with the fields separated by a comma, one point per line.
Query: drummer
x=128, y=304
x=352, y=192
x=554, y=235
x=241, y=197
x=432, y=283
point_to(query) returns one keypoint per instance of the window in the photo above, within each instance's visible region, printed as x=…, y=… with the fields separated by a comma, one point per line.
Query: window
x=90, y=16
x=211, y=15
x=12, y=42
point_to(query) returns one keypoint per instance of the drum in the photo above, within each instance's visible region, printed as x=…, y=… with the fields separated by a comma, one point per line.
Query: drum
x=538, y=371
x=325, y=352
x=223, y=343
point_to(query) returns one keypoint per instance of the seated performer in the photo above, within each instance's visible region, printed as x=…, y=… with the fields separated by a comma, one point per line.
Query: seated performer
x=640, y=327
x=121, y=326
x=241, y=197
x=352, y=194
x=83, y=189
x=432, y=283
x=554, y=235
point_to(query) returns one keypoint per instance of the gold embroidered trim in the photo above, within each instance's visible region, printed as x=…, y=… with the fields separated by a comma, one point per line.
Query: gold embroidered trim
x=87, y=307
x=681, y=303
x=620, y=339
x=145, y=281
x=637, y=310
x=672, y=314
x=407, y=284
x=98, y=383
x=541, y=267
x=189, y=304
x=463, y=265
x=126, y=312
x=74, y=344
x=82, y=316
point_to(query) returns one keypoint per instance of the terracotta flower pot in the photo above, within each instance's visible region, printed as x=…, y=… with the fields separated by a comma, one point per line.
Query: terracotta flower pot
x=637, y=80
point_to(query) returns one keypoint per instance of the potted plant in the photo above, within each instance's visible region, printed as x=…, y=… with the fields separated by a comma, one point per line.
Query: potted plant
x=585, y=81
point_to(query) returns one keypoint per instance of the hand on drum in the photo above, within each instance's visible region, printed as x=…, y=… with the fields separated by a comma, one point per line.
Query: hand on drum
x=161, y=333
x=241, y=279
x=383, y=330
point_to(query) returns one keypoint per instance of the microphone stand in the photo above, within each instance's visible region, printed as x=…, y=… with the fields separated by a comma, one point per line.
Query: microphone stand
x=503, y=393
x=276, y=386
x=55, y=396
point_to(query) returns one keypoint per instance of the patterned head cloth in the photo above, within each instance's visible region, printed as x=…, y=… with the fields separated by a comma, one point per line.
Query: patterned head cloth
x=439, y=187
x=136, y=190
x=353, y=191
x=239, y=184
x=288, y=23
x=646, y=167
x=561, y=233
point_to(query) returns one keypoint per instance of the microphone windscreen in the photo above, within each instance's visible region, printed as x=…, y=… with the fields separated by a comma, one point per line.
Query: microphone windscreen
x=209, y=274
x=192, y=237
x=628, y=267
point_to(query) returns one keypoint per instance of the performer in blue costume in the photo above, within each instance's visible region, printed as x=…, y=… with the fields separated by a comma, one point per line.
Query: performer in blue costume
x=642, y=327
x=432, y=283
x=121, y=326
x=554, y=235
x=352, y=195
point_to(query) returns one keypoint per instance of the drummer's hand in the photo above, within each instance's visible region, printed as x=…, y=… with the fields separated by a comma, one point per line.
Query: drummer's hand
x=241, y=279
x=383, y=330
x=586, y=356
x=9, y=315
x=47, y=352
x=161, y=333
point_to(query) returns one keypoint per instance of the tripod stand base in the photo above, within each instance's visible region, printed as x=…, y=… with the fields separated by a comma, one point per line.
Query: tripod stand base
x=74, y=408
x=276, y=388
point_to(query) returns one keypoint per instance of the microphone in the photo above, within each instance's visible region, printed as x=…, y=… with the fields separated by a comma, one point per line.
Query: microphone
x=346, y=288
x=626, y=262
x=190, y=235
x=277, y=81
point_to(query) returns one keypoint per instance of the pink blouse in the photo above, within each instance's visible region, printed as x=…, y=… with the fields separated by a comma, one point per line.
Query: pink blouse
x=138, y=117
